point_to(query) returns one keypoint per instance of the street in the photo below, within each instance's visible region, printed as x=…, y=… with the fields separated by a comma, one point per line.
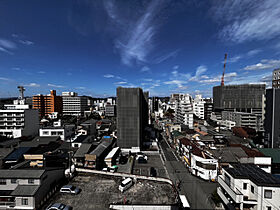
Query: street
x=197, y=191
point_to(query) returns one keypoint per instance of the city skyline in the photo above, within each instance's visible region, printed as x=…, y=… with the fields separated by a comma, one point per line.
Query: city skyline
x=161, y=46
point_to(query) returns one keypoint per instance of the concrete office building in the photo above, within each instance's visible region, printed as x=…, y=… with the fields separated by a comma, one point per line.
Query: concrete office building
x=243, y=119
x=47, y=104
x=110, y=110
x=184, y=110
x=208, y=108
x=132, y=117
x=239, y=98
x=198, y=106
x=74, y=104
x=276, y=78
x=272, y=118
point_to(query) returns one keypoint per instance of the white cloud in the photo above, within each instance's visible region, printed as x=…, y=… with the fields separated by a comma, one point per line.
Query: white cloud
x=264, y=64
x=198, y=73
x=254, y=52
x=179, y=83
x=135, y=37
x=81, y=88
x=120, y=83
x=175, y=67
x=145, y=68
x=5, y=79
x=16, y=68
x=26, y=42
x=41, y=72
x=228, y=77
x=247, y=20
x=56, y=86
x=7, y=46
x=234, y=59
x=109, y=76
x=32, y=85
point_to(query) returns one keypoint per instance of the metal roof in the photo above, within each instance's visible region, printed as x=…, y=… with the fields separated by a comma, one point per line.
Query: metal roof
x=102, y=147
x=273, y=153
x=253, y=173
x=84, y=149
x=112, y=153
x=21, y=173
x=17, y=154
x=25, y=190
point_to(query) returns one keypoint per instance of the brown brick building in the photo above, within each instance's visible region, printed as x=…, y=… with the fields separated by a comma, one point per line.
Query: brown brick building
x=47, y=104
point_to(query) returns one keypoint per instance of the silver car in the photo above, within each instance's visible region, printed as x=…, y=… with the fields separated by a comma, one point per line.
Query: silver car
x=58, y=206
x=70, y=189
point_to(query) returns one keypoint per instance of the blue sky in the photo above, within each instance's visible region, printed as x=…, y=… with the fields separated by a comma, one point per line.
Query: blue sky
x=163, y=46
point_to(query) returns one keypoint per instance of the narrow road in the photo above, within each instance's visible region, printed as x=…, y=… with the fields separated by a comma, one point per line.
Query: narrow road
x=195, y=189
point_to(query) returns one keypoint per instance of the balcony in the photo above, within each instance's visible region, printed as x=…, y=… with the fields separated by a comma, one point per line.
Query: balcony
x=236, y=195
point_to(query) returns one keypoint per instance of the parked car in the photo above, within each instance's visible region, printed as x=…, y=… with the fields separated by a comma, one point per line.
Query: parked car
x=153, y=172
x=127, y=183
x=58, y=206
x=110, y=169
x=70, y=189
x=142, y=160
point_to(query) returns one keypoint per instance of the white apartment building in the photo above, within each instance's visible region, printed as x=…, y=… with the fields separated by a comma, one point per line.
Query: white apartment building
x=74, y=104
x=198, y=106
x=184, y=110
x=15, y=123
x=246, y=186
x=64, y=132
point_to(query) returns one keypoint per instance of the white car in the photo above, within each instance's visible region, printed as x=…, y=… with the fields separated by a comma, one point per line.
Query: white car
x=70, y=189
x=58, y=206
x=125, y=184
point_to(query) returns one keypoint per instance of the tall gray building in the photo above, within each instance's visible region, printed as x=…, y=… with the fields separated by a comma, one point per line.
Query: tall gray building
x=272, y=118
x=241, y=98
x=132, y=117
x=276, y=78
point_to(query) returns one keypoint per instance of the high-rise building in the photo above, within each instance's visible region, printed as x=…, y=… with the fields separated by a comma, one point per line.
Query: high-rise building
x=272, y=118
x=208, y=108
x=239, y=98
x=132, y=117
x=198, y=106
x=74, y=104
x=184, y=110
x=47, y=104
x=276, y=78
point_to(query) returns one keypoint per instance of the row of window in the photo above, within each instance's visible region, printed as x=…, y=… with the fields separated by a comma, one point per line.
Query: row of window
x=267, y=193
x=14, y=181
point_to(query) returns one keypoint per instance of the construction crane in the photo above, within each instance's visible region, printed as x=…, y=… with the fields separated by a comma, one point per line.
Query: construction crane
x=21, y=91
x=223, y=77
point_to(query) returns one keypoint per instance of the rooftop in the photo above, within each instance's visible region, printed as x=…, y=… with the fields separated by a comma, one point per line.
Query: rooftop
x=21, y=173
x=273, y=153
x=253, y=173
x=84, y=149
x=25, y=190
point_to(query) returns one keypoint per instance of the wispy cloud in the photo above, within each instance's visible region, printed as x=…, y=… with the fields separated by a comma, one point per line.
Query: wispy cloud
x=135, y=36
x=145, y=69
x=264, y=64
x=166, y=56
x=199, y=71
x=246, y=20
x=5, y=79
x=234, y=59
x=175, y=67
x=16, y=68
x=214, y=79
x=120, y=83
x=254, y=52
x=7, y=46
x=41, y=72
x=56, y=86
x=32, y=85
x=26, y=42
x=108, y=76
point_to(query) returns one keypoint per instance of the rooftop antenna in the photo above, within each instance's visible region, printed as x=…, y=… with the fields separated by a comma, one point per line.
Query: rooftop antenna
x=21, y=91
x=223, y=77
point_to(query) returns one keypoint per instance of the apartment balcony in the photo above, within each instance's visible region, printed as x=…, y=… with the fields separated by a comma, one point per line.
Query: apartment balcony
x=7, y=204
x=235, y=194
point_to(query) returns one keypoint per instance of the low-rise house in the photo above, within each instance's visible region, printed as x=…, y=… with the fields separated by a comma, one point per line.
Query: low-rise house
x=246, y=186
x=200, y=162
x=95, y=159
x=27, y=188
x=110, y=159
x=79, y=156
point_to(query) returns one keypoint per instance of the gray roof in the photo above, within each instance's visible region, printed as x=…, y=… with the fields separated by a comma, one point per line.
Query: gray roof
x=229, y=154
x=21, y=173
x=25, y=190
x=91, y=121
x=39, y=141
x=84, y=149
x=102, y=147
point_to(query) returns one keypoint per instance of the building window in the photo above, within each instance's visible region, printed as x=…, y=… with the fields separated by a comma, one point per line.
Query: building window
x=268, y=208
x=227, y=179
x=24, y=201
x=30, y=181
x=268, y=194
x=244, y=186
x=45, y=132
x=13, y=181
x=2, y=181
x=252, y=189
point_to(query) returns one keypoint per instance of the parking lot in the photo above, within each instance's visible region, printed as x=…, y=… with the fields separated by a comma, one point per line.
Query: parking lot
x=155, y=161
x=98, y=192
